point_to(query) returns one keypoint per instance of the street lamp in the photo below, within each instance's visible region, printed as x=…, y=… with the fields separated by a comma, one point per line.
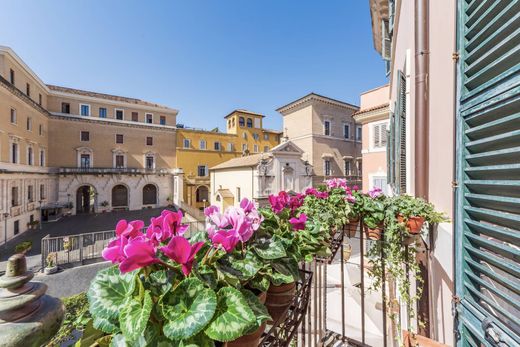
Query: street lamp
x=6, y=215
x=41, y=219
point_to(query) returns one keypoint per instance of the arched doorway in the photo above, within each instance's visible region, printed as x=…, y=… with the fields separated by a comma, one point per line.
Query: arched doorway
x=202, y=194
x=85, y=199
x=119, y=196
x=149, y=194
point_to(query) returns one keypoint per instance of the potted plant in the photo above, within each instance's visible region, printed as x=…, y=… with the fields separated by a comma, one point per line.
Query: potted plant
x=373, y=212
x=51, y=266
x=105, y=204
x=413, y=212
x=179, y=291
x=23, y=247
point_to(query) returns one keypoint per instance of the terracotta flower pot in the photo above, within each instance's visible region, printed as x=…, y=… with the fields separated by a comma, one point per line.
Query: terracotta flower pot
x=413, y=224
x=249, y=340
x=374, y=233
x=278, y=300
x=351, y=227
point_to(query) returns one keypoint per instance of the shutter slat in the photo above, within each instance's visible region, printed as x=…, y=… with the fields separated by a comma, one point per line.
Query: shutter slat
x=501, y=156
x=493, y=275
x=495, y=231
x=500, y=203
x=502, y=218
x=500, y=65
x=494, y=142
x=486, y=285
x=498, y=248
x=504, y=171
x=484, y=26
x=499, y=187
x=497, y=126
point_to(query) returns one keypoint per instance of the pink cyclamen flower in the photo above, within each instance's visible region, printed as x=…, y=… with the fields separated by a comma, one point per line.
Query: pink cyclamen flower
x=247, y=205
x=279, y=202
x=182, y=252
x=129, y=229
x=375, y=192
x=299, y=223
x=227, y=239
x=355, y=188
x=213, y=215
x=240, y=223
x=131, y=254
x=172, y=221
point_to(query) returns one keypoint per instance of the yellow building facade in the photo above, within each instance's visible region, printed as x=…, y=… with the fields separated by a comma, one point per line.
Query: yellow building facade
x=199, y=150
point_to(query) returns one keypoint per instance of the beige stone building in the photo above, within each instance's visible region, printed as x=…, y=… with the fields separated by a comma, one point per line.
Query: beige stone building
x=68, y=150
x=373, y=116
x=328, y=135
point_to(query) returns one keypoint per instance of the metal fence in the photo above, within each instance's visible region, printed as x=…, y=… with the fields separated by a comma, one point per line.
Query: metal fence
x=79, y=249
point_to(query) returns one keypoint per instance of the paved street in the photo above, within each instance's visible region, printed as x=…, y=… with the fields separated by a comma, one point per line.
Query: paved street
x=71, y=225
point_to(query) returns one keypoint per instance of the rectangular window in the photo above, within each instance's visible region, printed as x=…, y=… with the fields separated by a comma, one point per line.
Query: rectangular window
x=84, y=161
x=348, y=168
x=30, y=156
x=202, y=144
x=379, y=182
x=239, y=197
x=162, y=120
x=346, y=131
x=40, y=129
x=42, y=192
x=40, y=99
x=359, y=168
x=266, y=137
x=42, y=157
x=256, y=136
x=149, y=118
x=149, y=162
x=30, y=194
x=119, y=114
x=119, y=138
x=230, y=147
x=120, y=161
x=326, y=167
x=216, y=146
x=14, y=153
x=326, y=128
x=135, y=117
x=65, y=107
x=266, y=148
x=244, y=147
x=85, y=136
x=84, y=110
x=102, y=112
x=28, y=89
x=149, y=141
x=202, y=170
x=255, y=148
x=379, y=135
x=29, y=123
x=13, y=116
x=359, y=131
x=16, y=227
x=244, y=136
x=187, y=143
x=11, y=76
x=14, y=196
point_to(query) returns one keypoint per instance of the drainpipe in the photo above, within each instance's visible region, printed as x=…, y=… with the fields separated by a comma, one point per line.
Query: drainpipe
x=421, y=147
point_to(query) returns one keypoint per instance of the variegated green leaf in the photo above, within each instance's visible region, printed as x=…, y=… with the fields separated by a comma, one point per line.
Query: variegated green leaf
x=269, y=249
x=108, y=292
x=233, y=316
x=287, y=267
x=258, y=308
x=199, y=340
x=260, y=282
x=187, y=309
x=105, y=325
x=134, y=316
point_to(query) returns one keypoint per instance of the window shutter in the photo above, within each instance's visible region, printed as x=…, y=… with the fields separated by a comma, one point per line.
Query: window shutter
x=383, y=132
x=402, y=132
x=377, y=137
x=487, y=230
x=386, y=41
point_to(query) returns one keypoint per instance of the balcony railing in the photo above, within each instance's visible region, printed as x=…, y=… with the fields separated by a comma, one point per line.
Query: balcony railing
x=111, y=170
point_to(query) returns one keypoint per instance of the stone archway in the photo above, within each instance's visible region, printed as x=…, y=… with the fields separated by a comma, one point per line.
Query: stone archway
x=119, y=196
x=149, y=194
x=85, y=199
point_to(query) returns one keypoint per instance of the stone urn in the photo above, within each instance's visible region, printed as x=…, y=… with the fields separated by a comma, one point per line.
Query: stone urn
x=28, y=317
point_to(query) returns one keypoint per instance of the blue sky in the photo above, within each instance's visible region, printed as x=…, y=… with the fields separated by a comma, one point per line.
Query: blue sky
x=204, y=58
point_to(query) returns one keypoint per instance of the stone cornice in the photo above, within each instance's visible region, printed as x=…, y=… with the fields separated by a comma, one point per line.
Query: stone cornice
x=112, y=122
x=312, y=97
x=20, y=95
x=368, y=116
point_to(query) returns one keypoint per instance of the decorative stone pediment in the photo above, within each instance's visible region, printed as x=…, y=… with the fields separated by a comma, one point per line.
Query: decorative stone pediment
x=287, y=147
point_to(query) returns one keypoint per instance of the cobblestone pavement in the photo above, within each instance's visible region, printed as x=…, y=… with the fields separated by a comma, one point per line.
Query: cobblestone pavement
x=70, y=225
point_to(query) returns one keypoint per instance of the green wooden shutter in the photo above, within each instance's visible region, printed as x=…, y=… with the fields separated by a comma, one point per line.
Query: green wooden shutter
x=399, y=132
x=487, y=228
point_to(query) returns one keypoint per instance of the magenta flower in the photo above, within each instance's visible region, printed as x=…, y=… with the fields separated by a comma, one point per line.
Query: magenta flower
x=375, y=192
x=247, y=205
x=299, y=223
x=126, y=229
x=173, y=222
x=355, y=188
x=227, y=239
x=296, y=202
x=131, y=254
x=213, y=215
x=240, y=223
x=336, y=183
x=279, y=202
x=182, y=252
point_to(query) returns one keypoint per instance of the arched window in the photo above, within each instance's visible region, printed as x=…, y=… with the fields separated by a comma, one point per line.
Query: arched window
x=149, y=194
x=202, y=194
x=119, y=196
x=241, y=121
x=249, y=123
x=202, y=144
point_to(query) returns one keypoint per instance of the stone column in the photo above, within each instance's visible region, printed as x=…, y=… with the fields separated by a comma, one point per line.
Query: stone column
x=28, y=317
